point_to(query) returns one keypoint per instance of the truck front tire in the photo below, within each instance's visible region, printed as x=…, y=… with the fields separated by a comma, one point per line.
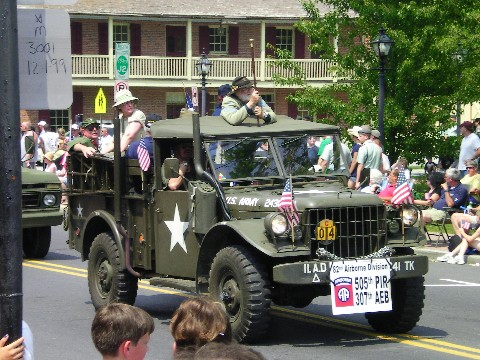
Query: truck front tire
x=107, y=280
x=407, y=304
x=239, y=280
x=36, y=242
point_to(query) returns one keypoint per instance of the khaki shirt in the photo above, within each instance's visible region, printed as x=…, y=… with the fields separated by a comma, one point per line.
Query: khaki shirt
x=234, y=111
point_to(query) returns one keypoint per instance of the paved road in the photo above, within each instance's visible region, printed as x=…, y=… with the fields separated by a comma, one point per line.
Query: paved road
x=57, y=306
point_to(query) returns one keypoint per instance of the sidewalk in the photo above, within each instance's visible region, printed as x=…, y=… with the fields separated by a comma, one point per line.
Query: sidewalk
x=432, y=251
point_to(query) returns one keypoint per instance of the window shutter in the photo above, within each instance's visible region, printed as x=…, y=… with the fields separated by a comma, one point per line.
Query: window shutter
x=299, y=45
x=135, y=40
x=44, y=115
x=76, y=35
x=233, y=40
x=270, y=38
x=103, y=39
x=77, y=104
x=203, y=39
x=292, y=110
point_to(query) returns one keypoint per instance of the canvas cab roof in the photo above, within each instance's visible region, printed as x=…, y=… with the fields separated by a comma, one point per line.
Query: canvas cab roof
x=215, y=126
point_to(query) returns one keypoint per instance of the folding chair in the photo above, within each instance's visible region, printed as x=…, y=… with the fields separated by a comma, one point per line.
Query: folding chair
x=441, y=226
x=443, y=233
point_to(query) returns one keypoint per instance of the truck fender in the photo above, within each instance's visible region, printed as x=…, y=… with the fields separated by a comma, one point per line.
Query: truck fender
x=249, y=233
x=97, y=222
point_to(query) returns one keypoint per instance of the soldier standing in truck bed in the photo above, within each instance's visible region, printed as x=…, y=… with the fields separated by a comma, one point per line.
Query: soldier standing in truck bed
x=132, y=119
x=244, y=101
x=88, y=143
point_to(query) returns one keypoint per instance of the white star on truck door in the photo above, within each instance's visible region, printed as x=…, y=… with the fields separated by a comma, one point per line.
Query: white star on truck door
x=177, y=228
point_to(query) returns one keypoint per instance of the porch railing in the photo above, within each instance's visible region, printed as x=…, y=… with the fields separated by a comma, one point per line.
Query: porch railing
x=150, y=67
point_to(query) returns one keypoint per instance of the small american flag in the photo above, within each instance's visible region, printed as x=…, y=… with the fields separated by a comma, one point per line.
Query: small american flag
x=402, y=193
x=63, y=162
x=287, y=205
x=465, y=225
x=143, y=155
x=189, y=102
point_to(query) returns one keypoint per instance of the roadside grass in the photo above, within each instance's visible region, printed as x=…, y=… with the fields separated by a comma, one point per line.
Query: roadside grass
x=434, y=229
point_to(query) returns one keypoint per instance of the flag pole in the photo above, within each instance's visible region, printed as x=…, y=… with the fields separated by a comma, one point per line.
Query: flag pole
x=252, y=52
x=291, y=211
x=403, y=225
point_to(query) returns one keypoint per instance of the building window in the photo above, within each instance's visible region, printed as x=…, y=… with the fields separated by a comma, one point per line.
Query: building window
x=302, y=114
x=218, y=39
x=59, y=119
x=270, y=100
x=284, y=39
x=120, y=34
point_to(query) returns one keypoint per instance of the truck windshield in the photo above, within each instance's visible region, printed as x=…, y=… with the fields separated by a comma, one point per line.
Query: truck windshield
x=242, y=158
x=300, y=154
x=254, y=158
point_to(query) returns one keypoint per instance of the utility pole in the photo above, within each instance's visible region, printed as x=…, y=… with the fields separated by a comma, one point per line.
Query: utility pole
x=11, y=296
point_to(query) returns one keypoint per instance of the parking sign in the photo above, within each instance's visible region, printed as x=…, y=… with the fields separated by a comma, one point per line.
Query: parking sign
x=122, y=61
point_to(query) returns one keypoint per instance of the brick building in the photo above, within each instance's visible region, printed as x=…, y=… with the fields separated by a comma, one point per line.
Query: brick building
x=166, y=40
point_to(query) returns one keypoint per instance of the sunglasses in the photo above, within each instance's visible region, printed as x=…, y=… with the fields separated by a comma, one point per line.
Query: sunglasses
x=92, y=127
x=470, y=167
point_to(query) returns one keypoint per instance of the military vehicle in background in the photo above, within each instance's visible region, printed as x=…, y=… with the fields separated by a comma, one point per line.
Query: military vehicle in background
x=224, y=235
x=41, y=196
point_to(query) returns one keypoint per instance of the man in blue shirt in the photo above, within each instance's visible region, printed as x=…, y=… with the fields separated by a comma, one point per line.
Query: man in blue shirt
x=454, y=195
x=223, y=91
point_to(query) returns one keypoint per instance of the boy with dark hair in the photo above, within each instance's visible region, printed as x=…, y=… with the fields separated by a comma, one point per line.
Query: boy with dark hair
x=121, y=331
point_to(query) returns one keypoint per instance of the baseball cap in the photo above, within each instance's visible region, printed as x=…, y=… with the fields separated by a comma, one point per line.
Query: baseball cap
x=224, y=90
x=88, y=122
x=42, y=123
x=468, y=125
x=365, y=129
x=74, y=127
x=376, y=133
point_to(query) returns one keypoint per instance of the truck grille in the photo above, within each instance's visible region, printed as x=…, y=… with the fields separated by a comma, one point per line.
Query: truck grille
x=31, y=200
x=360, y=230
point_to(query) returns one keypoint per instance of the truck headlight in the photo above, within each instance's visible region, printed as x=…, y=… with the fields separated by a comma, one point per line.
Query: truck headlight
x=276, y=224
x=49, y=199
x=410, y=216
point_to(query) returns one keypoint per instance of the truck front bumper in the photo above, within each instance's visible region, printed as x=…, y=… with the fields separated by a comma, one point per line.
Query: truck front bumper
x=41, y=218
x=318, y=272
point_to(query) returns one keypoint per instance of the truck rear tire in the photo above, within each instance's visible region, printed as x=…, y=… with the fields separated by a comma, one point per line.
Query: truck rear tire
x=36, y=242
x=407, y=304
x=240, y=281
x=108, y=282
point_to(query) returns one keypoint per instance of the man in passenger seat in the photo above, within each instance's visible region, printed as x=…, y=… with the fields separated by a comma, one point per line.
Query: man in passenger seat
x=184, y=154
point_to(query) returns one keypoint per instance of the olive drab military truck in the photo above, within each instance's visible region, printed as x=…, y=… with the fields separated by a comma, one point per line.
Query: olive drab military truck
x=41, y=195
x=223, y=233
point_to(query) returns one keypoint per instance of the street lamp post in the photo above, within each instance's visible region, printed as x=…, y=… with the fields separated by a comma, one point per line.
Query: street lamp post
x=203, y=68
x=381, y=45
x=458, y=58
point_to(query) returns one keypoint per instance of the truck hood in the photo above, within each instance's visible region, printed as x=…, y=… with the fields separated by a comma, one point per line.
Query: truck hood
x=305, y=198
x=30, y=177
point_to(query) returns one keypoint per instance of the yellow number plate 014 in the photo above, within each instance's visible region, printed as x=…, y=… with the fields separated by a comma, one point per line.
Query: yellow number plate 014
x=326, y=230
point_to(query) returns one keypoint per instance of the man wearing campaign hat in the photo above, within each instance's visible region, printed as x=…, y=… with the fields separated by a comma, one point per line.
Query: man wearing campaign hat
x=133, y=120
x=369, y=156
x=223, y=91
x=88, y=143
x=470, y=147
x=244, y=101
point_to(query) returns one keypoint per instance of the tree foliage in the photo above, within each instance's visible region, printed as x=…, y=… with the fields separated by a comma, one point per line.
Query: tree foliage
x=424, y=79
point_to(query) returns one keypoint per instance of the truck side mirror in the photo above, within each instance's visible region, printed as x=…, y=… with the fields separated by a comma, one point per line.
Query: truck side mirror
x=29, y=144
x=170, y=168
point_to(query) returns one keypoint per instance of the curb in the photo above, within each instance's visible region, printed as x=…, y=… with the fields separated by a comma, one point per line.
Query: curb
x=432, y=254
